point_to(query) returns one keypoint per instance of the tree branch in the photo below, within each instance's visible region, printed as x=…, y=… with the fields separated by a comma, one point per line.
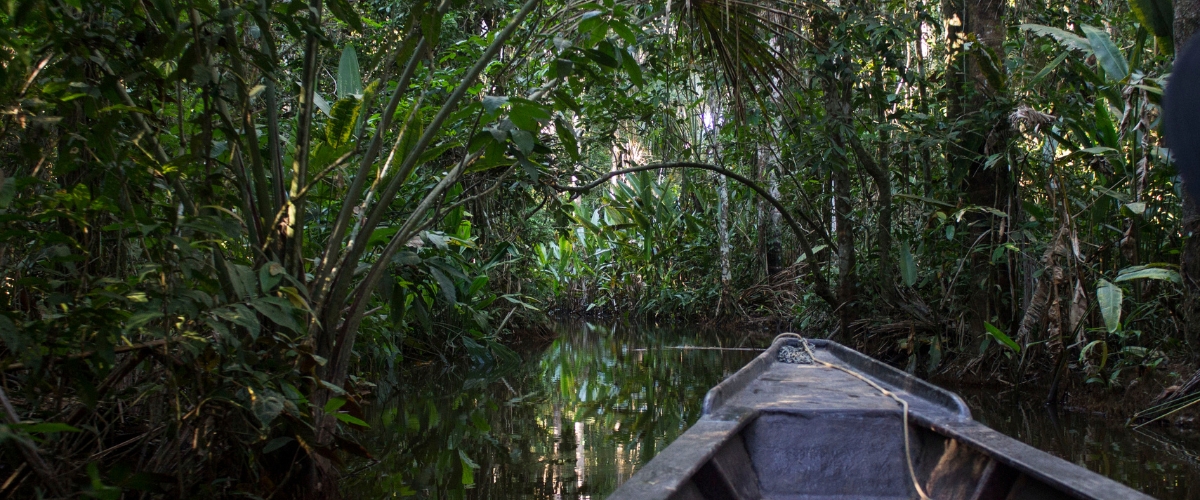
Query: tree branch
x=822, y=286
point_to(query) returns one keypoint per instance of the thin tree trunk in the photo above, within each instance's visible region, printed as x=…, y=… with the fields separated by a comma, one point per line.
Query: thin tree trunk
x=769, y=250
x=723, y=232
x=845, y=258
x=774, y=244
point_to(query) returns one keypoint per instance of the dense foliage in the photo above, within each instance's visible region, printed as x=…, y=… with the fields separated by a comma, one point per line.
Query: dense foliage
x=226, y=224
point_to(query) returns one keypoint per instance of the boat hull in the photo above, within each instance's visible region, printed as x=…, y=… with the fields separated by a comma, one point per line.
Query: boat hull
x=828, y=431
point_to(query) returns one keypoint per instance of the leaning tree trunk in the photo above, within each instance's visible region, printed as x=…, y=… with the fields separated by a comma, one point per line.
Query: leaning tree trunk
x=1187, y=20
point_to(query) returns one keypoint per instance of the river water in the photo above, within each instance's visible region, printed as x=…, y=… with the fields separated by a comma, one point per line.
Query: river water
x=576, y=419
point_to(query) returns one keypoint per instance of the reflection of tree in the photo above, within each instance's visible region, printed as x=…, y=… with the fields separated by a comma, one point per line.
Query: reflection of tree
x=570, y=422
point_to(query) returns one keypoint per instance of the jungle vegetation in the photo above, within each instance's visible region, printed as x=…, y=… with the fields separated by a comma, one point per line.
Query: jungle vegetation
x=224, y=225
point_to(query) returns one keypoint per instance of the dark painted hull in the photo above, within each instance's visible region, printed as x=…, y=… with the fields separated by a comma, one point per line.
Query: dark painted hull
x=783, y=431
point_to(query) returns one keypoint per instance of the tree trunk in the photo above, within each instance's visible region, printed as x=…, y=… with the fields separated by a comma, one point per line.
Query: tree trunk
x=774, y=244
x=837, y=115
x=974, y=104
x=845, y=258
x=723, y=232
x=883, y=183
x=1187, y=20
x=769, y=247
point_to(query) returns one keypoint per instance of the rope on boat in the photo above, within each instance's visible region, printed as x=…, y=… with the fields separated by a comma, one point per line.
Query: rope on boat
x=912, y=473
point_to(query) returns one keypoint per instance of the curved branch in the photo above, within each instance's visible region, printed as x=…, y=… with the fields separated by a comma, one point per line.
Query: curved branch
x=822, y=287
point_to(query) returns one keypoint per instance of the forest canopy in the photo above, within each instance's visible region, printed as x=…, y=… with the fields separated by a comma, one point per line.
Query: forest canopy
x=227, y=225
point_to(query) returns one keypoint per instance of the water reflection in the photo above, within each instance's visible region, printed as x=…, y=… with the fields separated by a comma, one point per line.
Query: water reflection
x=1155, y=460
x=576, y=419
x=572, y=421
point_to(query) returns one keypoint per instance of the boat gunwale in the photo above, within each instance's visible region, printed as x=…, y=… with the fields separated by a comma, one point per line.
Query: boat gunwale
x=719, y=423
x=866, y=365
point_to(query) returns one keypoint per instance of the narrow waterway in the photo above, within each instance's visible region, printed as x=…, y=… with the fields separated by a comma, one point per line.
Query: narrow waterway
x=576, y=419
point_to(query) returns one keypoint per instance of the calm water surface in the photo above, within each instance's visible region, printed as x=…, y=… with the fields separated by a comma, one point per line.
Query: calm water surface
x=1160, y=461
x=575, y=420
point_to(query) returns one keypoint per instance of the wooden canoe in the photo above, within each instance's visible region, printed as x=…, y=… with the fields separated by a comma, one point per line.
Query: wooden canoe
x=778, y=430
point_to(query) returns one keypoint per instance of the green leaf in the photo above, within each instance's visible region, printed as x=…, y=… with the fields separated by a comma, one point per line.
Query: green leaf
x=445, y=284
x=1153, y=273
x=1109, y=297
x=1107, y=54
x=1105, y=130
x=350, y=419
x=321, y=103
x=523, y=140
x=276, y=444
x=436, y=152
x=269, y=275
x=410, y=136
x=49, y=428
x=325, y=383
x=349, y=76
x=1158, y=17
x=1049, y=67
x=266, y=404
x=1064, y=37
x=431, y=26
x=292, y=294
x=592, y=21
x=278, y=310
x=1098, y=150
x=244, y=280
x=1137, y=208
x=623, y=30
x=493, y=102
x=563, y=67
x=566, y=137
x=342, y=119
x=1083, y=353
x=468, y=467
x=240, y=315
x=602, y=58
x=991, y=66
x=334, y=404
x=908, y=267
x=635, y=71
x=1001, y=337
x=528, y=115
x=477, y=284
x=480, y=423
x=342, y=10
x=139, y=319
